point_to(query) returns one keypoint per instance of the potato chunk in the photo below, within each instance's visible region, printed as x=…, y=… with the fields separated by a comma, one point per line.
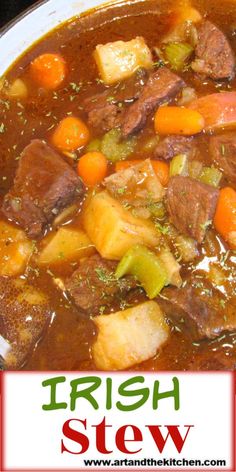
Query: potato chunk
x=118, y=60
x=113, y=229
x=15, y=250
x=129, y=337
x=67, y=244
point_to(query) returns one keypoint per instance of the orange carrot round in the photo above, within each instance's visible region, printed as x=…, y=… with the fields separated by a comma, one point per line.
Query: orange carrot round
x=178, y=120
x=48, y=70
x=92, y=168
x=225, y=216
x=160, y=168
x=70, y=134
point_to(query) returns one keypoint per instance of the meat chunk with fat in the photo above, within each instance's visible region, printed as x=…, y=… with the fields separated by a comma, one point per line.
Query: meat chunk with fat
x=162, y=86
x=173, y=145
x=214, y=56
x=199, y=309
x=93, y=285
x=44, y=185
x=105, y=109
x=191, y=205
x=223, y=153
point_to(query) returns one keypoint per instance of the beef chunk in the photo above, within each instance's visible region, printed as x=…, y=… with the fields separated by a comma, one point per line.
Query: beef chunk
x=199, y=308
x=223, y=153
x=214, y=56
x=105, y=109
x=162, y=86
x=173, y=145
x=93, y=284
x=102, y=113
x=44, y=185
x=24, y=315
x=191, y=205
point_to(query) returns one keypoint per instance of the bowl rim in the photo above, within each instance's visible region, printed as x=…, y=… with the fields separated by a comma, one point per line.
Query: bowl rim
x=27, y=11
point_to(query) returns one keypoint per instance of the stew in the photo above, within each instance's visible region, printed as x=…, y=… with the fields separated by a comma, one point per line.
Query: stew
x=118, y=192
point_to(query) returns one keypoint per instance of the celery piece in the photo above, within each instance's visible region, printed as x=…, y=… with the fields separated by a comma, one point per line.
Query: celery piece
x=94, y=145
x=179, y=165
x=115, y=149
x=178, y=54
x=150, y=144
x=195, y=169
x=146, y=267
x=211, y=176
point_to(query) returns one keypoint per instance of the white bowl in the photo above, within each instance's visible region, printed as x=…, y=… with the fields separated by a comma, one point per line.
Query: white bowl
x=34, y=23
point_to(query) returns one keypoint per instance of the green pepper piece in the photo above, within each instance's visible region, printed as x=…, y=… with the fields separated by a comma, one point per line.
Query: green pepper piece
x=146, y=267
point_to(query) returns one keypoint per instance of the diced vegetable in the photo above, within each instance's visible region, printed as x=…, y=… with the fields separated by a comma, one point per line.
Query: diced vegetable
x=171, y=266
x=15, y=250
x=118, y=60
x=17, y=90
x=188, y=95
x=67, y=244
x=187, y=248
x=150, y=144
x=211, y=176
x=143, y=264
x=216, y=275
x=151, y=270
x=178, y=120
x=161, y=168
x=48, y=70
x=94, y=145
x=178, y=54
x=157, y=209
x=114, y=149
x=70, y=134
x=116, y=229
x=195, y=169
x=225, y=216
x=136, y=186
x=217, y=109
x=179, y=165
x=92, y=168
x=129, y=337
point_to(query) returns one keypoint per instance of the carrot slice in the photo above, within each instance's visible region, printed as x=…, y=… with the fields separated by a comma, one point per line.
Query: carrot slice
x=48, y=70
x=225, y=216
x=160, y=168
x=178, y=120
x=92, y=168
x=70, y=134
